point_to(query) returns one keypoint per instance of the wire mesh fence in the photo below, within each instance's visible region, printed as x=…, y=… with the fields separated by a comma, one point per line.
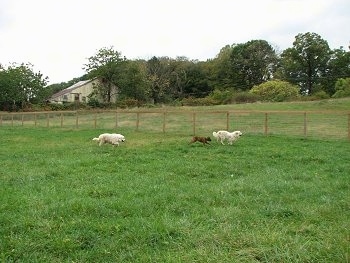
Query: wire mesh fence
x=334, y=125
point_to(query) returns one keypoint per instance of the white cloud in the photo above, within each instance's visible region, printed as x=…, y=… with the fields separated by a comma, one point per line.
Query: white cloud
x=58, y=36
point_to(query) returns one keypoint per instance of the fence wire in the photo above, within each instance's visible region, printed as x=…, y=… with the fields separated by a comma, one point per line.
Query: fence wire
x=334, y=125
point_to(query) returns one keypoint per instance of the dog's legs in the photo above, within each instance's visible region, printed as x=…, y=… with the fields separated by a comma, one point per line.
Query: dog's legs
x=222, y=141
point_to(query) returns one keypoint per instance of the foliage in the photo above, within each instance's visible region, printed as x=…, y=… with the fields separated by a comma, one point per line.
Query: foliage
x=244, y=97
x=221, y=69
x=310, y=64
x=20, y=85
x=229, y=97
x=68, y=106
x=158, y=76
x=128, y=103
x=207, y=101
x=107, y=66
x=342, y=87
x=134, y=85
x=223, y=97
x=252, y=63
x=338, y=67
x=306, y=63
x=320, y=95
x=197, y=84
x=276, y=90
x=94, y=103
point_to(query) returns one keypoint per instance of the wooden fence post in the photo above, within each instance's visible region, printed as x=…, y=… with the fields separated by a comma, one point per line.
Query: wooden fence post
x=22, y=119
x=77, y=119
x=194, y=123
x=35, y=119
x=61, y=120
x=137, y=121
x=164, y=119
x=228, y=121
x=305, y=125
x=266, y=124
x=47, y=120
x=349, y=126
x=116, y=119
x=95, y=120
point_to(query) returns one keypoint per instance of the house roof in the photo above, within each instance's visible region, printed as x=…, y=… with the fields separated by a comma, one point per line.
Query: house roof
x=71, y=88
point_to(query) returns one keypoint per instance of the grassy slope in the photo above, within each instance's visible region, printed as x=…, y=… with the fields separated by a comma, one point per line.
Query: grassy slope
x=158, y=199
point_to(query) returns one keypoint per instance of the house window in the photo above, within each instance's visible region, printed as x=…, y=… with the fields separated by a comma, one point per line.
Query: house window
x=65, y=97
x=76, y=97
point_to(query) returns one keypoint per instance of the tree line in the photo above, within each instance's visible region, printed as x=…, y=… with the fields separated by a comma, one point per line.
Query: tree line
x=254, y=68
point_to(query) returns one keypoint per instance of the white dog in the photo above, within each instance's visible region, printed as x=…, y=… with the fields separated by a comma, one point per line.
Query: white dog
x=111, y=138
x=230, y=136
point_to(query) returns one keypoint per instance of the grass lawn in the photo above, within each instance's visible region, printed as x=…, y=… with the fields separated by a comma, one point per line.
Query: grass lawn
x=156, y=198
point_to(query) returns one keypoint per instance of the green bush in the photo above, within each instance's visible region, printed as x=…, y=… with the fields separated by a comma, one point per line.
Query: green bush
x=207, y=101
x=222, y=97
x=342, y=87
x=321, y=95
x=244, y=97
x=128, y=103
x=94, y=103
x=58, y=107
x=276, y=90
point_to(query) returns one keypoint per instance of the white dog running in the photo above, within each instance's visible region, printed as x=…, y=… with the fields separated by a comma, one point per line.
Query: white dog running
x=111, y=138
x=230, y=136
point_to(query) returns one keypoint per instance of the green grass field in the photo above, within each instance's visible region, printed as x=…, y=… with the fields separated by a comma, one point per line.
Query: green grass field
x=158, y=199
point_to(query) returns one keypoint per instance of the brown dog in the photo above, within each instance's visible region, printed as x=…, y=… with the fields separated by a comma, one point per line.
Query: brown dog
x=203, y=140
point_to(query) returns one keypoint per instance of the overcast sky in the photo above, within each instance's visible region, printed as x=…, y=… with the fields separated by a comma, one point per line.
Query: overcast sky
x=57, y=36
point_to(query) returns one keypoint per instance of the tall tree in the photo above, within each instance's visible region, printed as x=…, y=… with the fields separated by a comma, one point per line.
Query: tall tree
x=106, y=65
x=252, y=63
x=197, y=84
x=306, y=62
x=338, y=67
x=158, y=75
x=178, y=76
x=20, y=85
x=186, y=78
x=134, y=83
x=221, y=75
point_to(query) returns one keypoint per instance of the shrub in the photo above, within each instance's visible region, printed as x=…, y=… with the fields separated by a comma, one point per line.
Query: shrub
x=342, y=87
x=320, y=95
x=222, y=97
x=128, y=103
x=94, y=103
x=57, y=107
x=207, y=101
x=276, y=90
x=244, y=97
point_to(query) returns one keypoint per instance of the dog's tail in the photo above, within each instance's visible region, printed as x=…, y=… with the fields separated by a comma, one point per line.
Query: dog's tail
x=215, y=134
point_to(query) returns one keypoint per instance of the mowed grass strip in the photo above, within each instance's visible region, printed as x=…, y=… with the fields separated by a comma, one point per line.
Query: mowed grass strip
x=158, y=199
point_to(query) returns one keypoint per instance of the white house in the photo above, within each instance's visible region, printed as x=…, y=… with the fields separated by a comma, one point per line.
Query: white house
x=78, y=92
